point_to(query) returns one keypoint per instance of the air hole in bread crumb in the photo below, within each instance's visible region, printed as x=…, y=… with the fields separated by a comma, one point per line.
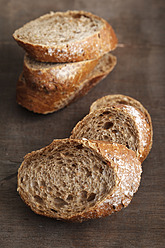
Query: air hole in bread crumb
x=114, y=207
x=53, y=210
x=114, y=131
x=45, y=195
x=88, y=173
x=58, y=194
x=77, y=15
x=123, y=102
x=99, y=35
x=26, y=178
x=68, y=161
x=38, y=199
x=91, y=197
x=74, y=165
x=51, y=156
x=43, y=183
x=105, y=137
x=38, y=169
x=108, y=125
x=21, y=179
x=69, y=198
x=35, y=184
x=95, y=168
x=127, y=145
x=79, y=146
x=66, y=153
x=50, y=189
x=106, y=112
x=83, y=195
x=122, y=205
x=82, y=51
x=60, y=202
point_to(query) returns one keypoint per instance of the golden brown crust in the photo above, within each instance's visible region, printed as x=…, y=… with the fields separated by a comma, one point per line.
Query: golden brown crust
x=93, y=46
x=67, y=73
x=127, y=171
x=44, y=102
x=46, y=97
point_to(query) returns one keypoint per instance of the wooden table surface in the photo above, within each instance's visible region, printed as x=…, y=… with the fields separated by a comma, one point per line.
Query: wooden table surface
x=139, y=73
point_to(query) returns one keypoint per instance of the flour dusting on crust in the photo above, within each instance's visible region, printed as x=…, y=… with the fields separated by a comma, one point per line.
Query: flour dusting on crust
x=142, y=126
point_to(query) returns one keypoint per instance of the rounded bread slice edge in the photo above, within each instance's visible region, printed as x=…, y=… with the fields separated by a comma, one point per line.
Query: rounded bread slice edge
x=91, y=47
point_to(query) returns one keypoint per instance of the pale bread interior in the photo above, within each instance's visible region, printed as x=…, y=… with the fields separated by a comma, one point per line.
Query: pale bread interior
x=59, y=28
x=111, y=100
x=65, y=180
x=108, y=124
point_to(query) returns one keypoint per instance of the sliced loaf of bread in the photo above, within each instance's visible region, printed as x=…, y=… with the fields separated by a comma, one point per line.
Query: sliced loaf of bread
x=111, y=100
x=121, y=124
x=66, y=37
x=76, y=180
x=46, y=96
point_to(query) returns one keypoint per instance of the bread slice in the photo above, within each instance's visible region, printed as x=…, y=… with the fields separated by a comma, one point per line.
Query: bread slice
x=121, y=124
x=66, y=37
x=59, y=73
x=110, y=100
x=49, y=96
x=77, y=180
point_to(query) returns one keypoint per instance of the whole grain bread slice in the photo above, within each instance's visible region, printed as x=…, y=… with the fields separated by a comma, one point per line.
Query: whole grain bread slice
x=66, y=37
x=42, y=96
x=76, y=180
x=59, y=73
x=121, y=124
x=111, y=100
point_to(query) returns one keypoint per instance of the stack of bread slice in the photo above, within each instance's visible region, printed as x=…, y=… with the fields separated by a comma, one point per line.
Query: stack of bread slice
x=67, y=53
x=96, y=171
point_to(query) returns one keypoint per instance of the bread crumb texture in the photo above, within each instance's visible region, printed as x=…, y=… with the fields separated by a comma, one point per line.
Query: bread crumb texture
x=60, y=27
x=121, y=124
x=78, y=179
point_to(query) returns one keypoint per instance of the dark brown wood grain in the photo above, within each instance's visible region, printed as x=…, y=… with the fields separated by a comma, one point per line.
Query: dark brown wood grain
x=139, y=73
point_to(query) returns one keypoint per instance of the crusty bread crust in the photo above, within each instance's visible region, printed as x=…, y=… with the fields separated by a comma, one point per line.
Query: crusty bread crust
x=67, y=73
x=110, y=100
x=93, y=46
x=143, y=131
x=46, y=96
x=127, y=171
x=143, y=127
